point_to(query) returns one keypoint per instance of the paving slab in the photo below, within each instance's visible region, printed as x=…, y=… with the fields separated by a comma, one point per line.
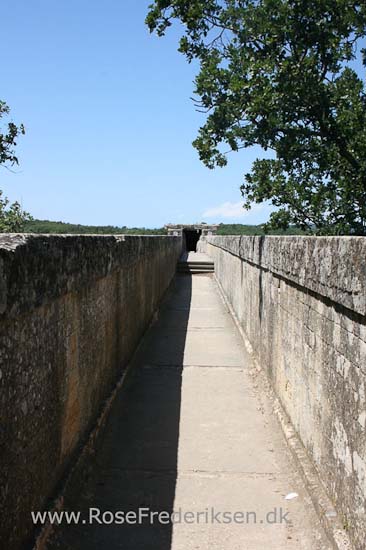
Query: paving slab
x=198, y=318
x=209, y=348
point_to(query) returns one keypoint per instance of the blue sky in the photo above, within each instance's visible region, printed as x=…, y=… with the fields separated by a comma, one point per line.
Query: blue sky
x=109, y=120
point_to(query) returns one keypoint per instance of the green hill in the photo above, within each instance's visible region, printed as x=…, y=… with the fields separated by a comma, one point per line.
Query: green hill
x=240, y=229
x=47, y=226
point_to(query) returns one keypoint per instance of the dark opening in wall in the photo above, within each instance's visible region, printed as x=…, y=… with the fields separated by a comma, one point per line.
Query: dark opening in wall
x=191, y=237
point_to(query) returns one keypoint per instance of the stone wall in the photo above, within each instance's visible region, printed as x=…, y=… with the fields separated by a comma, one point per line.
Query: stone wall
x=72, y=311
x=301, y=302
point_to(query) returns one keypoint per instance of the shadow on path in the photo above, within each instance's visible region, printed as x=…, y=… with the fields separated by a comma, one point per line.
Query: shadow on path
x=135, y=464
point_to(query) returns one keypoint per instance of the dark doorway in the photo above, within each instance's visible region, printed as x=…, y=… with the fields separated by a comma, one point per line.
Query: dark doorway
x=191, y=237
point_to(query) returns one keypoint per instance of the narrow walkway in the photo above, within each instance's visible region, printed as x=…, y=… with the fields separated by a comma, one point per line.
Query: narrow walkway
x=189, y=433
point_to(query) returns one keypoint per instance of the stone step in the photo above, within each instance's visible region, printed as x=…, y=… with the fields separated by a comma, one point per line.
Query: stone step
x=209, y=264
x=186, y=264
x=195, y=271
x=196, y=262
x=195, y=267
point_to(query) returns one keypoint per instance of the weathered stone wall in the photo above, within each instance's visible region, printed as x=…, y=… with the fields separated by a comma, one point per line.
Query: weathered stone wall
x=301, y=302
x=72, y=311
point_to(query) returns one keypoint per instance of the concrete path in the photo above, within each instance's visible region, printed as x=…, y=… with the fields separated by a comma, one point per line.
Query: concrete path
x=190, y=433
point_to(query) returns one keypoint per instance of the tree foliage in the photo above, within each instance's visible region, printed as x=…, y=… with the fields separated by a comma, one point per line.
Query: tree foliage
x=12, y=217
x=8, y=137
x=278, y=74
x=59, y=227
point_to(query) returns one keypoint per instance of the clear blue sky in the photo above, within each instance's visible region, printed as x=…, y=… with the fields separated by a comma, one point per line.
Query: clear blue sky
x=109, y=120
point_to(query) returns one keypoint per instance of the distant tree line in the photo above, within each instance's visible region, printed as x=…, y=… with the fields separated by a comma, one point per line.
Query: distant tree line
x=240, y=229
x=47, y=226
